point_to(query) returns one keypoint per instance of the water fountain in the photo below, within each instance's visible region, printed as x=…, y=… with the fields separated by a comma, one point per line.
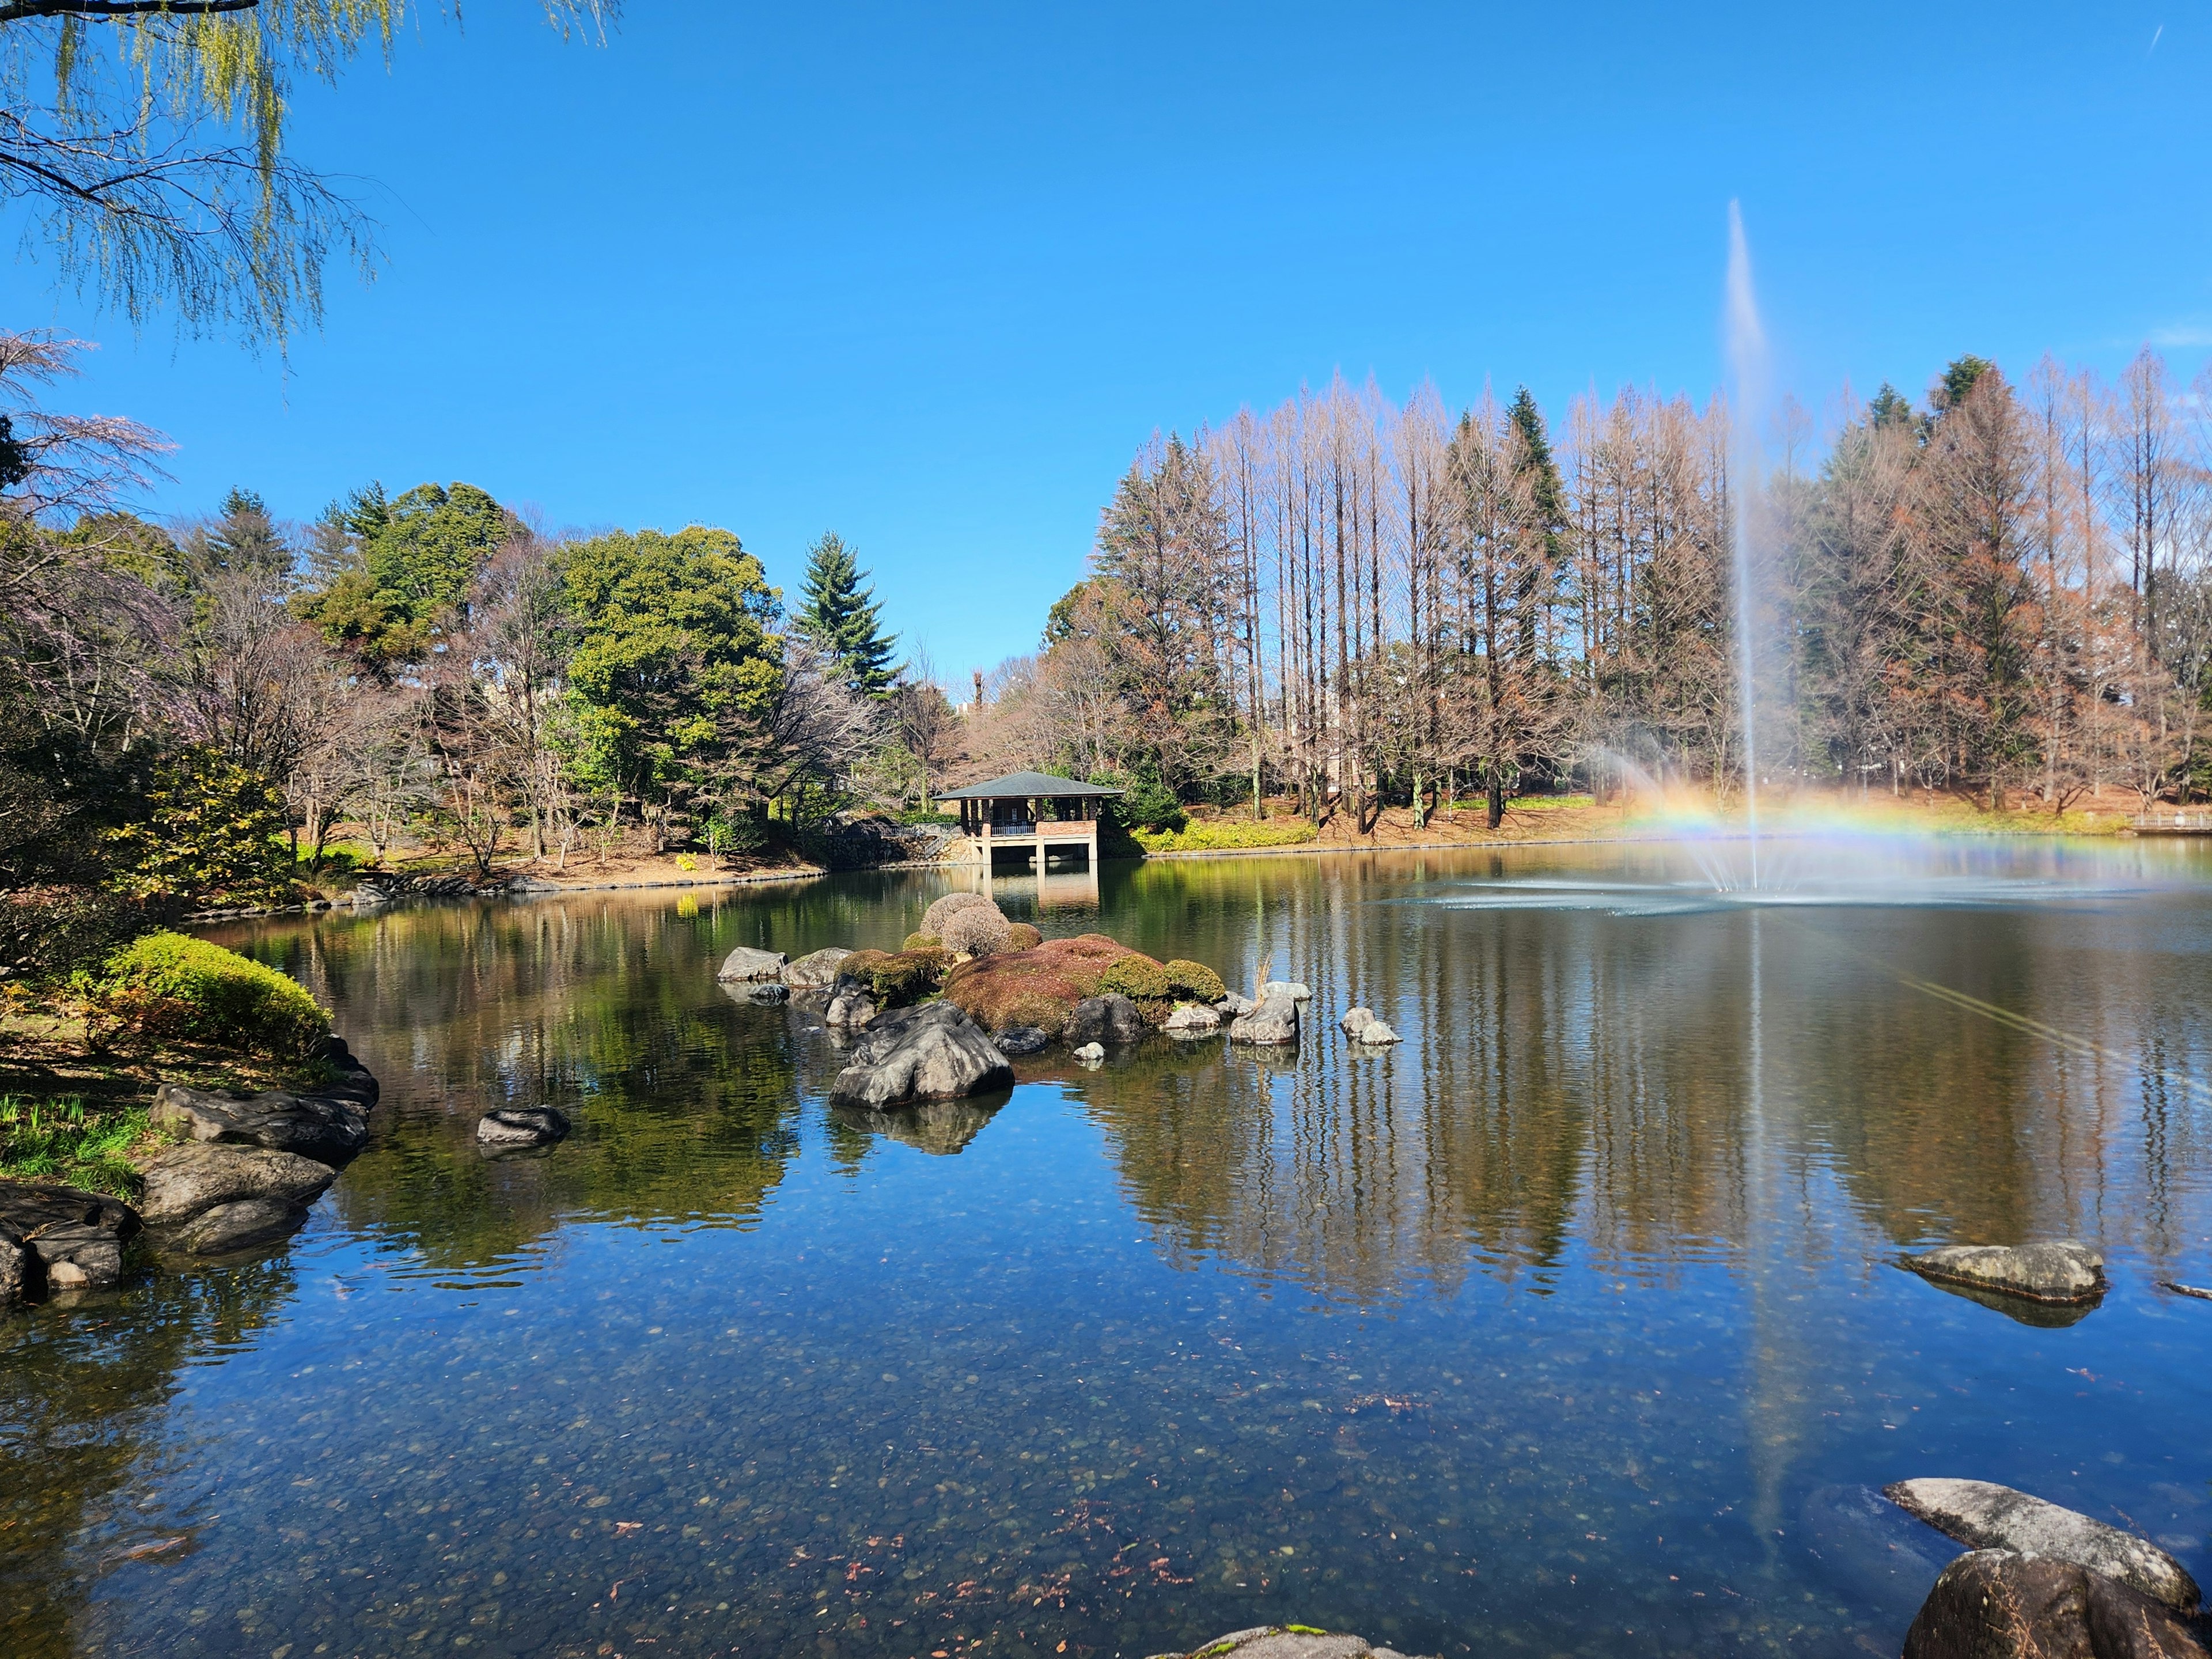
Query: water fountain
x=1749, y=391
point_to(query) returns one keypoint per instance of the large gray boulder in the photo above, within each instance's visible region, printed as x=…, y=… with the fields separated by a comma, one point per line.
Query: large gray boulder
x=933, y=1052
x=746, y=963
x=66, y=1239
x=242, y=1225
x=1193, y=1019
x=327, y=1126
x=184, y=1180
x=1109, y=1019
x=816, y=970
x=2063, y=1270
x=1274, y=1022
x=849, y=1010
x=1998, y=1604
x=1984, y=1516
x=1285, y=1642
x=1285, y=987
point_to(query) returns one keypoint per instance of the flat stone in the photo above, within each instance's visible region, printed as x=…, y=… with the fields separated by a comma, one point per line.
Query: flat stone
x=326, y=1127
x=1109, y=1019
x=68, y=1239
x=1233, y=1005
x=1285, y=987
x=1193, y=1019
x=816, y=971
x=933, y=1052
x=1285, y=1642
x=1985, y=1516
x=1998, y=1604
x=242, y=1225
x=1022, y=1039
x=1375, y=1035
x=745, y=962
x=2062, y=1270
x=1356, y=1020
x=183, y=1180
x=522, y=1126
x=1091, y=1053
x=1274, y=1022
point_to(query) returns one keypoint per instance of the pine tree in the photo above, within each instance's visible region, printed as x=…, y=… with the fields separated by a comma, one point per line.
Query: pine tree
x=1547, y=496
x=845, y=618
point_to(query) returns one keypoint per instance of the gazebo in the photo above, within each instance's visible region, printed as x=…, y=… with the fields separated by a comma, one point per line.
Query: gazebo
x=1031, y=813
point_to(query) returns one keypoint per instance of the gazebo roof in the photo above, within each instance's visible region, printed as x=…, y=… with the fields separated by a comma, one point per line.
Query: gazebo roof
x=1020, y=785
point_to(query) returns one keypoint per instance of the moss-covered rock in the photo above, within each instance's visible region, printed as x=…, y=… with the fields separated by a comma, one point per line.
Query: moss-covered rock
x=1136, y=977
x=894, y=978
x=1194, y=981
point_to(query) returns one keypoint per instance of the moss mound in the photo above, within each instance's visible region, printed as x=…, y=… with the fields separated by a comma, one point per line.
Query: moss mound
x=1194, y=981
x=171, y=985
x=895, y=979
x=934, y=918
x=1136, y=977
x=1039, y=986
x=921, y=942
x=1020, y=936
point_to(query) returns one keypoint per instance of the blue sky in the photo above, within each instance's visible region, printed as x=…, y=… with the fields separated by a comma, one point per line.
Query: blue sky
x=928, y=276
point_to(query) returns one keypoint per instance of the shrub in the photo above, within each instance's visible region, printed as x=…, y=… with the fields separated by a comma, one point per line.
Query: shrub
x=171, y=984
x=210, y=835
x=1219, y=836
x=1020, y=936
x=977, y=930
x=1194, y=981
x=934, y=918
x=1017, y=988
x=48, y=933
x=1136, y=977
x=922, y=942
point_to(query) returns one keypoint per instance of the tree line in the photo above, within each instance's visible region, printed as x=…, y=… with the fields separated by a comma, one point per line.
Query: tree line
x=2001, y=592
x=195, y=708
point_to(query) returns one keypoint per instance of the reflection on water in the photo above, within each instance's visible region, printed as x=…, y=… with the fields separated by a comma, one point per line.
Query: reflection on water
x=1564, y=1325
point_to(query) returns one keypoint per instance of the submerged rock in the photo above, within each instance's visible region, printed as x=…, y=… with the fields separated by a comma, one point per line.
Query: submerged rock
x=1985, y=1516
x=242, y=1225
x=511, y=1126
x=184, y=1181
x=1193, y=1019
x=2060, y=1271
x=768, y=991
x=1274, y=1021
x=1356, y=1020
x=746, y=963
x=2179, y=1288
x=1375, y=1035
x=328, y=1127
x=66, y=1239
x=1022, y=1039
x=1109, y=1019
x=1285, y=1642
x=816, y=971
x=1873, y=1550
x=14, y=1261
x=1091, y=1053
x=1997, y=1604
x=933, y=1052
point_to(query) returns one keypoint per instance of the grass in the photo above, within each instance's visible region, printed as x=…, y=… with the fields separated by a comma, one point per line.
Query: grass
x=61, y=1140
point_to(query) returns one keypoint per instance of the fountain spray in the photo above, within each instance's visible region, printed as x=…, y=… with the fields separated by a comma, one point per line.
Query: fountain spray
x=1748, y=367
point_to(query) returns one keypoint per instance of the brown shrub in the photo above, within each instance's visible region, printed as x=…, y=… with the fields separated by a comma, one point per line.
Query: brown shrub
x=977, y=930
x=934, y=918
x=1016, y=987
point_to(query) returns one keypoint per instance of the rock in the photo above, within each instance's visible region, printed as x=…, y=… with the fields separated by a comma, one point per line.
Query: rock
x=241, y=1225
x=16, y=1267
x=1996, y=1604
x=1274, y=1021
x=509, y=1127
x=353, y=1081
x=1285, y=987
x=939, y=1127
x=183, y=1180
x=1109, y=1019
x=1233, y=1005
x=532, y=884
x=816, y=971
x=1022, y=1039
x=1984, y=1516
x=1376, y=1034
x=768, y=991
x=2060, y=1271
x=745, y=962
x=1285, y=1642
x=1193, y=1019
x=327, y=1127
x=1091, y=1053
x=933, y=1052
x=1356, y=1020
x=2189, y=1290
x=849, y=1008
x=1874, y=1552
x=68, y=1239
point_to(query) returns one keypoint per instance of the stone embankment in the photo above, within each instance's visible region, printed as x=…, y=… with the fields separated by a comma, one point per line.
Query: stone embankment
x=240, y=1171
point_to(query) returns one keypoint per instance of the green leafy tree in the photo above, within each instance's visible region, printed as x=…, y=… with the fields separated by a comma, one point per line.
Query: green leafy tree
x=845, y=618
x=393, y=575
x=676, y=671
x=211, y=834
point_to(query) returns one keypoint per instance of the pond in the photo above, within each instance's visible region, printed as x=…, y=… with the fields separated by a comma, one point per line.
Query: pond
x=1569, y=1325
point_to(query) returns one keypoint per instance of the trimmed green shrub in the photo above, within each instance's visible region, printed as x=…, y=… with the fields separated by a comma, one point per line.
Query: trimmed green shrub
x=1136, y=977
x=170, y=984
x=921, y=942
x=1226, y=837
x=1020, y=936
x=1194, y=981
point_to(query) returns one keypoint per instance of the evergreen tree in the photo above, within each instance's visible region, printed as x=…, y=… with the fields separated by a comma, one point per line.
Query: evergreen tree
x=845, y=618
x=1547, y=496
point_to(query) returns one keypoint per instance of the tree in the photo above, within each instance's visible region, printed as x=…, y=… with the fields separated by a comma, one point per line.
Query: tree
x=675, y=670
x=393, y=577
x=146, y=138
x=844, y=619
x=926, y=723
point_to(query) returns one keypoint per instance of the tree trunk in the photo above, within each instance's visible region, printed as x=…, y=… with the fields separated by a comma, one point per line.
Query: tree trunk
x=1497, y=813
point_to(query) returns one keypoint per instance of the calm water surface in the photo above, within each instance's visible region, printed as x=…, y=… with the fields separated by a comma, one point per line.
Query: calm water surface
x=1555, y=1330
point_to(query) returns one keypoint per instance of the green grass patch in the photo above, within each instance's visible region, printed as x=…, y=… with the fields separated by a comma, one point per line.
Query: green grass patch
x=1225, y=834
x=62, y=1141
x=1542, y=803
